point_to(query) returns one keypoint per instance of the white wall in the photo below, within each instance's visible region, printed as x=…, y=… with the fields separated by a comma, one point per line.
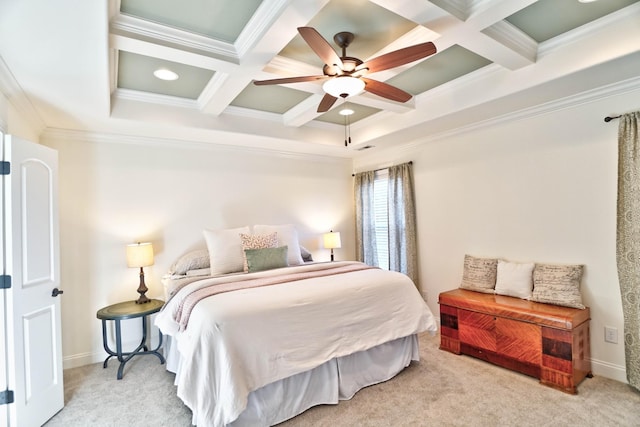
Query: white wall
x=539, y=189
x=115, y=193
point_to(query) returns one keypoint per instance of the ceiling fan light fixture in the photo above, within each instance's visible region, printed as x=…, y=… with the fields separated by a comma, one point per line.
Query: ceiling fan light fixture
x=165, y=74
x=346, y=112
x=343, y=86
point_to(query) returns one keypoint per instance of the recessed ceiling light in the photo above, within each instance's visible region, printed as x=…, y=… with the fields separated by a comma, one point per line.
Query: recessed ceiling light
x=165, y=74
x=346, y=112
x=587, y=1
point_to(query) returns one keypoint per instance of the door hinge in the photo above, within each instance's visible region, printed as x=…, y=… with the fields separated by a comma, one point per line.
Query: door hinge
x=5, y=281
x=5, y=168
x=6, y=397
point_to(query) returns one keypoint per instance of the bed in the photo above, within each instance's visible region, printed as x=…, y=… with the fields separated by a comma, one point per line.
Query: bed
x=258, y=348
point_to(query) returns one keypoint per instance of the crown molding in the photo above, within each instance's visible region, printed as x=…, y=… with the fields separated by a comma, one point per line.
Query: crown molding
x=14, y=94
x=268, y=12
x=587, y=30
x=89, y=137
x=586, y=97
x=129, y=26
x=515, y=39
x=153, y=98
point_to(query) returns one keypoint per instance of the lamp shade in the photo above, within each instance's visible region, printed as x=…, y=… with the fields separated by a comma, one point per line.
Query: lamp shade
x=332, y=240
x=139, y=255
x=343, y=86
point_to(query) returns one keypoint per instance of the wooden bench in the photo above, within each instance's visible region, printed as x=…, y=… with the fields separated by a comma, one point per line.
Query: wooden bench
x=545, y=341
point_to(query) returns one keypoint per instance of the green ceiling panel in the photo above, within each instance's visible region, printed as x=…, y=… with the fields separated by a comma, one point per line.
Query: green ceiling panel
x=445, y=66
x=546, y=19
x=359, y=112
x=136, y=72
x=374, y=28
x=219, y=19
x=273, y=99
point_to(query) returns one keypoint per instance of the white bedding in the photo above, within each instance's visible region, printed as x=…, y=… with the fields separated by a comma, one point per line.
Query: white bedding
x=240, y=341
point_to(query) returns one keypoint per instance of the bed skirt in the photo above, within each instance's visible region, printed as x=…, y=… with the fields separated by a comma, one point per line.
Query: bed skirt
x=337, y=379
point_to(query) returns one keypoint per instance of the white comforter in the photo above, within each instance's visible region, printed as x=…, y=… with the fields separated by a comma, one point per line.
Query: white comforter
x=239, y=341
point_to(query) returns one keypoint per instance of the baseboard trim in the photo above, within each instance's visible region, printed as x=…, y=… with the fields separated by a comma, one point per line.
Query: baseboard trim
x=89, y=358
x=609, y=370
x=77, y=360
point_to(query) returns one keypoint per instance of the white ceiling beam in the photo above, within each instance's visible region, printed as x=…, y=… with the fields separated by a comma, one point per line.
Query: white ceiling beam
x=303, y=113
x=276, y=28
x=463, y=22
x=484, y=13
x=162, y=35
x=147, y=48
x=418, y=12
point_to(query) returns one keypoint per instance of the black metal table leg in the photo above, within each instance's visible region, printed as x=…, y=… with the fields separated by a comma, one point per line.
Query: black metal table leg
x=128, y=310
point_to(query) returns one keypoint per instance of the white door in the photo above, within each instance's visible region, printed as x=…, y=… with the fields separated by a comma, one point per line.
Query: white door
x=33, y=345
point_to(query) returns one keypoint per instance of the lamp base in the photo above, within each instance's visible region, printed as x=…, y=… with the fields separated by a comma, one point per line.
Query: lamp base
x=142, y=289
x=143, y=299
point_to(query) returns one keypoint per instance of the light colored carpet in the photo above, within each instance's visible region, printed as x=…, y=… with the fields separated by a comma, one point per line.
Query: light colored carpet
x=441, y=390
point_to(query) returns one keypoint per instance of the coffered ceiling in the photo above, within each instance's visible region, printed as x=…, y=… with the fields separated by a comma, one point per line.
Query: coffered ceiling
x=90, y=66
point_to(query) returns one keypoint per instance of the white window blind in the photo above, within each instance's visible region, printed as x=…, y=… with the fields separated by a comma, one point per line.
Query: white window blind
x=381, y=212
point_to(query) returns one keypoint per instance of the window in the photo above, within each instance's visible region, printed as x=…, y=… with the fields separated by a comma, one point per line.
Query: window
x=386, y=220
x=381, y=216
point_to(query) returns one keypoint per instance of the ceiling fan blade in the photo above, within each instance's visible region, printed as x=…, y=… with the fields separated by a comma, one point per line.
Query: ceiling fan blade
x=288, y=80
x=385, y=90
x=326, y=103
x=399, y=57
x=320, y=46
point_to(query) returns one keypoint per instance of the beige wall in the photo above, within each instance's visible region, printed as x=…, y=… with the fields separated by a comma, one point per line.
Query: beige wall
x=540, y=189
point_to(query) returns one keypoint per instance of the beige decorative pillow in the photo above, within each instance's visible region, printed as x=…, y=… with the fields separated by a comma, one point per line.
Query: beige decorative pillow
x=225, y=250
x=558, y=284
x=257, y=241
x=479, y=274
x=515, y=279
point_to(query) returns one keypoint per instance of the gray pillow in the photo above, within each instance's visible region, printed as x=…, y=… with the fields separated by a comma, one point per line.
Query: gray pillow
x=193, y=260
x=558, y=284
x=266, y=258
x=479, y=274
x=306, y=255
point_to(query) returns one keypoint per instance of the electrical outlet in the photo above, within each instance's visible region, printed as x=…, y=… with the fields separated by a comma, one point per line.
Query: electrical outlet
x=611, y=334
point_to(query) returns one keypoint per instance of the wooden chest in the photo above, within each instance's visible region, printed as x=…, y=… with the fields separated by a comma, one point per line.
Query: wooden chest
x=545, y=341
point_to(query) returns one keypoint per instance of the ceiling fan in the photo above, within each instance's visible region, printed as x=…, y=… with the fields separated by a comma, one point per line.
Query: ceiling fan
x=345, y=75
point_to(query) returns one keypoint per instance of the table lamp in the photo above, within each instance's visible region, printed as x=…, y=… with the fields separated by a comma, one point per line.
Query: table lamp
x=140, y=255
x=332, y=241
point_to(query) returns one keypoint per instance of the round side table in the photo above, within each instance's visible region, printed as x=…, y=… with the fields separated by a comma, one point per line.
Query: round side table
x=123, y=311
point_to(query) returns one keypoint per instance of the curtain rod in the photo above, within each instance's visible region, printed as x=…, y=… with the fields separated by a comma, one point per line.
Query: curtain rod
x=609, y=118
x=376, y=170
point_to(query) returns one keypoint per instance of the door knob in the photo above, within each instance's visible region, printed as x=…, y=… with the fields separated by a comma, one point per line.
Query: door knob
x=56, y=292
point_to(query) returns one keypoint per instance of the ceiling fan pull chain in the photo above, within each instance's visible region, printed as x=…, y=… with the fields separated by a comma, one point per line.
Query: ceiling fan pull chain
x=347, y=130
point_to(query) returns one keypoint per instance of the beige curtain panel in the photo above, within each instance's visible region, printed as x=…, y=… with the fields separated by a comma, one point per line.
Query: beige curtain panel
x=628, y=239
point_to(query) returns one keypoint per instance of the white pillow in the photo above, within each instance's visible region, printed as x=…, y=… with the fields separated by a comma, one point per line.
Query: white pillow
x=515, y=279
x=287, y=235
x=225, y=250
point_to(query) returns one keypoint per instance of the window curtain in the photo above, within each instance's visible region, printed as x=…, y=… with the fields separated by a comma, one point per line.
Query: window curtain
x=628, y=240
x=365, y=219
x=402, y=222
